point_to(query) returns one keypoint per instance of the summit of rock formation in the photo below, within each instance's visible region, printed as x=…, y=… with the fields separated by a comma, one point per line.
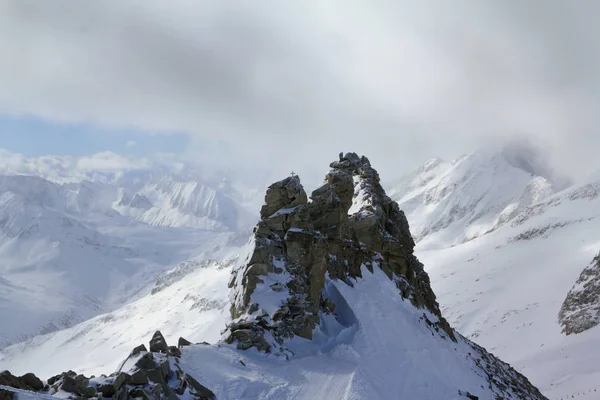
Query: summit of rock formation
x=350, y=222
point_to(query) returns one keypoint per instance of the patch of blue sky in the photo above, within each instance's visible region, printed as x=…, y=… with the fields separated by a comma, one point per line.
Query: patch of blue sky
x=35, y=137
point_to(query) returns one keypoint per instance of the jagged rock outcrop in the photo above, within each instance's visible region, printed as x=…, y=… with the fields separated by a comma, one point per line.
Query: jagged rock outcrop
x=150, y=375
x=349, y=223
x=581, y=309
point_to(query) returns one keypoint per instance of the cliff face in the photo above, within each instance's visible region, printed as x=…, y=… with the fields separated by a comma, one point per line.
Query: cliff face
x=581, y=309
x=350, y=222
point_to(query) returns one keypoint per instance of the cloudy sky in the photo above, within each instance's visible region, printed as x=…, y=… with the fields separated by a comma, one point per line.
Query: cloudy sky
x=291, y=84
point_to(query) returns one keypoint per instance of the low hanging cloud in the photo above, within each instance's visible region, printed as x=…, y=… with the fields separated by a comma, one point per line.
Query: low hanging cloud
x=283, y=83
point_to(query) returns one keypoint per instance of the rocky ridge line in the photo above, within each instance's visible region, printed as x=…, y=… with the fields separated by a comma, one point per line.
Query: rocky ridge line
x=350, y=222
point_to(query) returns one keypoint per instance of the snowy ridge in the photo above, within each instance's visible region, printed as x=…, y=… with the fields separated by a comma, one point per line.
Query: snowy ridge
x=448, y=203
x=73, y=248
x=505, y=289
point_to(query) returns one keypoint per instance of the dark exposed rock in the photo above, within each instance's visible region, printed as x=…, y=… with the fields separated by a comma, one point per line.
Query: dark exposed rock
x=26, y=382
x=174, y=351
x=88, y=392
x=69, y=385
x=146, y=362
x=140, y=393
x=107, y=390
x=139, y=377
x=53, y=380
x=183, y=342
x=8, y=379
x=349, y=223
x=287, y=193
x=32, y=381
x=158, y=343
x=122, y=394
x=168, y=393
x=198, y=390
x=581, y=309
x=121, y=379
x=138, y=350
x=156, y=370
x=6, y=395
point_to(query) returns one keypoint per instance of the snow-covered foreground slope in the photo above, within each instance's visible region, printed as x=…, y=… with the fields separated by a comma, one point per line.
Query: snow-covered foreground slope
x=381, y=351
x=362, y=359
x=448, y=203
x=191, y=302
x=504, y=290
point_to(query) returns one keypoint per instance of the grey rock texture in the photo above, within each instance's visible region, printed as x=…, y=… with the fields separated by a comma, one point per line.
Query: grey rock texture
x=149, y=375
x=581, y=309
x=350, y=222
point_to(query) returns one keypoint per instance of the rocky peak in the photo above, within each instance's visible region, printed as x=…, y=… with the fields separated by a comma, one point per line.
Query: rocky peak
x=581, y=309
x=350, y=222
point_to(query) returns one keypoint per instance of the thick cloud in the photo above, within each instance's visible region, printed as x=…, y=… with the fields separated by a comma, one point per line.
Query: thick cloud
x=295, y=83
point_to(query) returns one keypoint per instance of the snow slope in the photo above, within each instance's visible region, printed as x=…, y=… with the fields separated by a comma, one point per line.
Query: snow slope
x=380, y=352
x=344, y=361
x=504, y=290
x=448, y=203
x=193, y=304
x=72, y=249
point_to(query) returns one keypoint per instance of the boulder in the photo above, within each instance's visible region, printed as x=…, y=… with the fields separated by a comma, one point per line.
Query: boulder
x=121, y=379
x=6, y=395
x=198, y=390
x=8, y=379
x=183, y=342
x=285, y=194
x=174, y=351
x=158, y=344
x=88, y=392
x=107, y=390
x=54, y=379
x=168, y=393
x=69, y=385
x=146, y=362
x=138, y=350
x=32, y=381
x=139, y=393
x=139, y=377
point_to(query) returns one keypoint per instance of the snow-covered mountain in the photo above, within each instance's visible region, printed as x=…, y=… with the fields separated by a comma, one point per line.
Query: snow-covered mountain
x=502, y=282
x=77, y=242
x=330, y=289
x=448, y=203
x=506, y=289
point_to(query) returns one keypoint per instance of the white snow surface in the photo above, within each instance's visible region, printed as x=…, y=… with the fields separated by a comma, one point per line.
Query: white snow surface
x=501, y=273
x=195, y=307
x=448, y=203
x=76, y=242
x=380, y=349
x=504, y=290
